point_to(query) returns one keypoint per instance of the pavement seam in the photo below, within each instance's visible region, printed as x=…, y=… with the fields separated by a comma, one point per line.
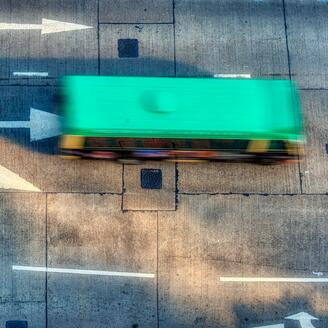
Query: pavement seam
x=98, y=36
x=243, y=263
x=251, y=194
x=157, y=251
x=290, y=78
x=176, y=186
x=123, y=190
x=46, y=262
x=174, y=41
x=136, y=23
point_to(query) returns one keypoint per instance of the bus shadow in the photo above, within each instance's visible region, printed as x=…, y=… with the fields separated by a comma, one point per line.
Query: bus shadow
x=20, y=96
x=275, y=313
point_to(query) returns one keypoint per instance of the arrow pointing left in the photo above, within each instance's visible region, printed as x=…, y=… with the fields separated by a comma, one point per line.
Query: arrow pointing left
x=42, y=125
x=47, y=26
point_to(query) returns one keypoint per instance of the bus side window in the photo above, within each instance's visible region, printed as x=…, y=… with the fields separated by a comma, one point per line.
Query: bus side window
x=127, y=142
x=112, y=143
x=200, y=144
x=95, y=142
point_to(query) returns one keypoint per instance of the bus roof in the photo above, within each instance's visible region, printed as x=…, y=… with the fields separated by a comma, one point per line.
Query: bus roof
x=152, y=107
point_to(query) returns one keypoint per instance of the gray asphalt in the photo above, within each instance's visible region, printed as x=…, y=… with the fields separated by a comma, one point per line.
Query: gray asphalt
x=207, y=222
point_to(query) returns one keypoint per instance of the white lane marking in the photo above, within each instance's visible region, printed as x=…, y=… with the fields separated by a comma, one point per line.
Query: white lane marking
x=11, y=180
x=317, y=273
x=279, y=325
x=31, y=74
x=42, y=125
x=47, y=26
x=83, y=272
x=303, y=318
x=14, y=124
x=273, y=279
x=233, y=76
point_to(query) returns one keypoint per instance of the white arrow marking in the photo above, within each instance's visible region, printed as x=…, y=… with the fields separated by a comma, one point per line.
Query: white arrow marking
x=84, y=272
x=42, y=125
x=279, y=325
x=304, y=319
x=273, y=279
x=11, y=180
x=47, y=26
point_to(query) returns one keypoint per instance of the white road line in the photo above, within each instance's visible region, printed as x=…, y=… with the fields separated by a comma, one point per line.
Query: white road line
x=46, y=27
x=42, y=125
x=83, y=272
x=273, y=279
x=31, y=74
x=233, y=76
x=279, y=325
x=11, y=180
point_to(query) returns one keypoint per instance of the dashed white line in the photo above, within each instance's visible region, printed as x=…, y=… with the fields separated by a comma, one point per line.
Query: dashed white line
x=273, y=279
x=83, y=272
x=31, y=74
x=233, y=76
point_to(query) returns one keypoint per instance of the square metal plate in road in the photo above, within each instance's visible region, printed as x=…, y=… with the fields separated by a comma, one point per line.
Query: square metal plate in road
x=146, y=190
x=128, y=48
x=151, y=178
x=16, y=324
x=155, y=49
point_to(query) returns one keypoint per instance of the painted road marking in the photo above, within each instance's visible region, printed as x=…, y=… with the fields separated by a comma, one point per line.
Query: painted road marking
x=303, y=318
x=31, y=74
x=273, y=279
x=279, y=325
x=42, y=125
x=11, y=180
x=83, y=272
x=233, y=76
x=47, y=26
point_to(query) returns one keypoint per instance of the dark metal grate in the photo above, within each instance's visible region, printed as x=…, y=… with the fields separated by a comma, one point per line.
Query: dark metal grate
x=17, y=324
x=151, y=178
x=128, y=48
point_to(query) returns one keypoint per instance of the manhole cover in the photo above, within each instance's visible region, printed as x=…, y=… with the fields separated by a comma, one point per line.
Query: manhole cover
x=16, y=324
x=151, y=179
x=128, y=48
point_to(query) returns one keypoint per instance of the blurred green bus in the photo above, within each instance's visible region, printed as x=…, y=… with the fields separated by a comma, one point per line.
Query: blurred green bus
x=181, y=119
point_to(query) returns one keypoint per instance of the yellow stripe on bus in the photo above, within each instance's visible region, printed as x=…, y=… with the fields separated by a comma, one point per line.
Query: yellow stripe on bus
x=72, y=142
x=258, y=146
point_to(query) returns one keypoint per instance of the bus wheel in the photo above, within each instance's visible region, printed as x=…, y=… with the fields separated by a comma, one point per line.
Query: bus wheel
x=267, y=161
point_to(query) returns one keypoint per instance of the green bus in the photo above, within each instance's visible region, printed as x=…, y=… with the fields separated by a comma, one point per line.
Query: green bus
x=181, y=119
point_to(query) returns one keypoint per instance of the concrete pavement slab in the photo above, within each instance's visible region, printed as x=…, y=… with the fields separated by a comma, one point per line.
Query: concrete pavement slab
x=314, y=168
x=155, y=55
x=36, y=161
x=34, y=313
x=136, y=197
x=238, y=178
x=33, y=49
x=209, y=237
x=191, y=295
x=22, y=242
x=91, y=232
x=231, y=37
x=307, y=39
x=136, y=11
x=287, y=232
